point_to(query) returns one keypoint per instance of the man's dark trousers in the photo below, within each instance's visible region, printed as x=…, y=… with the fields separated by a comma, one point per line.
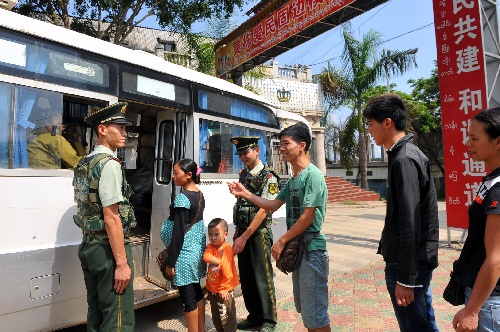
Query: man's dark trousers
x=107, y=310
x=256, y=277
x=413, y=318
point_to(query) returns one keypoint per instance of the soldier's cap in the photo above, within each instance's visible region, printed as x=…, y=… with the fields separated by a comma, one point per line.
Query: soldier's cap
x=112, y=114
x=244, y=143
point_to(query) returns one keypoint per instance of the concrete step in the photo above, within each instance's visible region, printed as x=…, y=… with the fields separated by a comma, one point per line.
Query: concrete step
x=357, y=198
x=341, y=190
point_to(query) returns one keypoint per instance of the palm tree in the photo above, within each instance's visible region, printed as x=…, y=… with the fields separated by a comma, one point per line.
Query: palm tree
x=361, y=67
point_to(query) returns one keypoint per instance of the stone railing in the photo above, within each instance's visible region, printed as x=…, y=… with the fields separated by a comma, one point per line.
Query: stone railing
x=287, y=72
x=178, y=58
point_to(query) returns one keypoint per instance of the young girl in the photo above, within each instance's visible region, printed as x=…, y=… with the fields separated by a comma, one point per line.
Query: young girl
x=479, y=260
x=185, y=255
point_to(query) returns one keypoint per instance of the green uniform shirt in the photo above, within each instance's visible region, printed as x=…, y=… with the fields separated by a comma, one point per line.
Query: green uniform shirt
x=110, y=183
x=270, y=190
x=308, y=189
x=47, y=151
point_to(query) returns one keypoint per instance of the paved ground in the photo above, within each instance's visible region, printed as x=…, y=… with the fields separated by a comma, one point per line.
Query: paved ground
x=358, y=297
x=359, y=300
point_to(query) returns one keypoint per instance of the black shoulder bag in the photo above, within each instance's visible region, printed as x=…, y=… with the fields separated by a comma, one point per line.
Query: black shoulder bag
x=161, y=259
x=292, y=253
x=454, y=293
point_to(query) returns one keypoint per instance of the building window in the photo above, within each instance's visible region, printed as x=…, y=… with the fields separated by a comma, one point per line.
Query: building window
x=349, y=173
x=369, y=173
x=168, y=46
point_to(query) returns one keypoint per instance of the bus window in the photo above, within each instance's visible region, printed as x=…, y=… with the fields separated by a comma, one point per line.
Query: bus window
x=46, y=62
x=165, y=149
x=217, y=151
x=140, y=87
x=5, y=121
x=32, y=130
x=232, y=107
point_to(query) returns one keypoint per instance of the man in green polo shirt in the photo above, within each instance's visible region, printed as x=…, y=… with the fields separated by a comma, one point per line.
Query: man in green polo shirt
x=306, y=195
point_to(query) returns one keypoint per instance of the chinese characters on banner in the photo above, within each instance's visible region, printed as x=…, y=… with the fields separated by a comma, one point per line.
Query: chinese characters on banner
x=284, y=22
x=462, y=82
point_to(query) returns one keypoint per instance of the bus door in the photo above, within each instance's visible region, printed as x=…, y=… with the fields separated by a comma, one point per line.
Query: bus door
x=168, y=147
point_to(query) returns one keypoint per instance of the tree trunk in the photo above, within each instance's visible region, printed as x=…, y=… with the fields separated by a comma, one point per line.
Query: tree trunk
x=430, y=152
x=363, y=164
x=362, y=147
x=64, y=13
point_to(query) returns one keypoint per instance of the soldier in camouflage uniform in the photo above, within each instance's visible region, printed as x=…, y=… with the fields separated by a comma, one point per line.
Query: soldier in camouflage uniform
x=106, y=217
x=253, y=238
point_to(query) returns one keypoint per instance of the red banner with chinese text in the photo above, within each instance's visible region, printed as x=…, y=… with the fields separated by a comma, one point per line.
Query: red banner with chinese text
x=286, y=21
x=462, y=83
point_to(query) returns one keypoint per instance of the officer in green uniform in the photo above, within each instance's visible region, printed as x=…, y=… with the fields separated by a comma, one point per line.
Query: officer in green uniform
x=106, y=217
x=253, y=237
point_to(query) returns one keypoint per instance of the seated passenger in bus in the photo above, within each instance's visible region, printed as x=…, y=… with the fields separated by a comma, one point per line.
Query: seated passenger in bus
x=214, y=155
x=72, y=133
x=48, y=149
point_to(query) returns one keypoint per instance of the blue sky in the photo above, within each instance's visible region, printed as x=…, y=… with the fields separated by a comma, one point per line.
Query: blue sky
x=392, y=19
x=403, y=24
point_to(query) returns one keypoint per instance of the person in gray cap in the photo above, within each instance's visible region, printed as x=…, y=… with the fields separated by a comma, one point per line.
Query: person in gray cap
x=106, y=218
x=253, y=237
x=49, y=149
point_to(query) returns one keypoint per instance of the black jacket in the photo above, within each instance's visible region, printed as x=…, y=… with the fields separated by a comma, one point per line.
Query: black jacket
x=411, y=231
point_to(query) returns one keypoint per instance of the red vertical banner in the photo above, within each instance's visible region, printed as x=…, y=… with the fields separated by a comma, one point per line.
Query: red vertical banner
x=462, y=83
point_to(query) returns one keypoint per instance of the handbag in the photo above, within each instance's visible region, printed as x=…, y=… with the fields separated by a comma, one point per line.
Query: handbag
x=161, y=259
x=292, y=253
x=454, y=291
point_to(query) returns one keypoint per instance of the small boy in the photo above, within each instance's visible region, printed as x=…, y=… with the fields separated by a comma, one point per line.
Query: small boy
x=221, y=277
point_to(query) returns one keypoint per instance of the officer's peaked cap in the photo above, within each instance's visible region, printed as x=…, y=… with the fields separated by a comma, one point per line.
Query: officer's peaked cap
x=244, y=143
x=112, y=114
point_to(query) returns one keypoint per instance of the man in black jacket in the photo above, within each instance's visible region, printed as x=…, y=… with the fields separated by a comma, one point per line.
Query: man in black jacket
x=410, y=237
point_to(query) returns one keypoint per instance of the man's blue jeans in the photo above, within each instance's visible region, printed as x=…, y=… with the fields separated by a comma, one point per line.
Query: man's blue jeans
x=418, y=316
x=489, y=315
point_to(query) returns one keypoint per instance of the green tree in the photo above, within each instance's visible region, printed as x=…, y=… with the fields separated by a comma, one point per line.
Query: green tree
x=360, y=68
x=424, y=117
x=55, y=11
x=114, y=20
x=202, y=45
x=428, y=127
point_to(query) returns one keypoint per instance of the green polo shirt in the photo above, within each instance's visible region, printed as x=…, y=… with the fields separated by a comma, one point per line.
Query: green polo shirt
x=308, y=189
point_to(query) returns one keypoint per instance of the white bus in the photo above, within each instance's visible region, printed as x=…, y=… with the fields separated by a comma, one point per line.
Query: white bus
x=176, y=113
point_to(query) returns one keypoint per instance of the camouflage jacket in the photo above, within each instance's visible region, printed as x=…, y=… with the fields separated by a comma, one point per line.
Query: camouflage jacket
x=89, y=217
x=244, y=211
